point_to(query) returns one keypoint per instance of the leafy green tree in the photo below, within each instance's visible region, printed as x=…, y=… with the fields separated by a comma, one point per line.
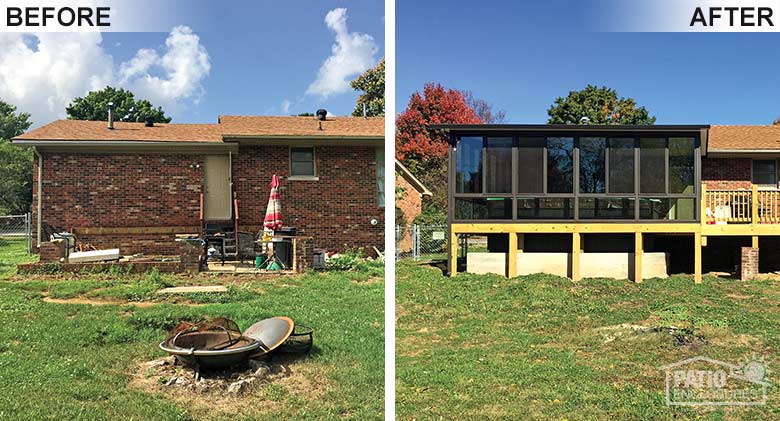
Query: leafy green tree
x=597, y=106
x=372, y=84
x=15, y=163
x=94, y=107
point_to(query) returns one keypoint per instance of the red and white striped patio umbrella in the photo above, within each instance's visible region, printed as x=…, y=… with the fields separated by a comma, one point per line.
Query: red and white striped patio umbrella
x=273, y=214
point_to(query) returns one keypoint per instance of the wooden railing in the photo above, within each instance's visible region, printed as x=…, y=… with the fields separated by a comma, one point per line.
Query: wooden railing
x=740, y=206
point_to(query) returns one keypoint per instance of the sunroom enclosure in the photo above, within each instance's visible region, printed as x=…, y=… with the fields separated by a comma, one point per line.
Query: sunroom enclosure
x=575, y=176
x=521, y=182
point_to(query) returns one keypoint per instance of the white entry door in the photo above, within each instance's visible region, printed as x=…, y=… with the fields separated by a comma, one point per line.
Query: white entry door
x=216, y=188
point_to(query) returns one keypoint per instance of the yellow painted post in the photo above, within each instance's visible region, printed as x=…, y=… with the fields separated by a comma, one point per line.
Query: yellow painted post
x=703, y=203
x=638, y=252
x=453, y=252
x=576, y=251
x=704, y=241
x=754, y=200
x=755, y=242
x=697, y=258
x=512, y=255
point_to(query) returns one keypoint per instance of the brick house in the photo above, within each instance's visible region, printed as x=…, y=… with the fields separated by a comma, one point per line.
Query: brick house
x=137, y=185
x=409, y=204
x=616, y=201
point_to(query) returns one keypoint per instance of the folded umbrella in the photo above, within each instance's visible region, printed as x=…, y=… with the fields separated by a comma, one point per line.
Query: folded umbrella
x=273, y=214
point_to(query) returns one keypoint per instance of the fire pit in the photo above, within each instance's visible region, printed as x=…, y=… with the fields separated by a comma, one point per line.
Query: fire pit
x=218, y=343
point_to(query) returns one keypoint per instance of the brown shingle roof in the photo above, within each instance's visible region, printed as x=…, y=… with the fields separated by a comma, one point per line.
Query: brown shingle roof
x=78, y=130
x=238, y=126
x=302, y=126
x=744, y=138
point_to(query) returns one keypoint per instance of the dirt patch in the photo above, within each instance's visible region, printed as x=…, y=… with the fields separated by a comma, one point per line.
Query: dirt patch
x=111, y=302
x=255, y=388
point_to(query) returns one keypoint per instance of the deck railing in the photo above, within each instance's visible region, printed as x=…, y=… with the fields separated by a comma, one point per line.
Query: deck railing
x=740, y=206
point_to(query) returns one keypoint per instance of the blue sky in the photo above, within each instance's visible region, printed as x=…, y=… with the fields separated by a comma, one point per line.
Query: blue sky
x=250, y=57
x=520, y=56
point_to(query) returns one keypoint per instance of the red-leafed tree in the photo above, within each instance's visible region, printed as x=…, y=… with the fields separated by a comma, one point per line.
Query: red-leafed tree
x=424, y=151
x=418, y=147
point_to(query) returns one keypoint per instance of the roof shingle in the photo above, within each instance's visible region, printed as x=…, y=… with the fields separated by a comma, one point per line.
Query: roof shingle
x=79, y=130
x=302, y=126
x=743, y=138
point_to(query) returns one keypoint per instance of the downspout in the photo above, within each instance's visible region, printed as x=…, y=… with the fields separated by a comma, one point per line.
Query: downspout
x=40, y=193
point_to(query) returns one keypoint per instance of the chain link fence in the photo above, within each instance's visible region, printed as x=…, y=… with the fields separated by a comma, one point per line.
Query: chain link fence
x=421, y=242
x=16, y=228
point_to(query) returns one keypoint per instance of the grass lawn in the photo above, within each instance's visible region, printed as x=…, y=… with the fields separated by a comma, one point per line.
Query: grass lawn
x=78, y=361
x=540, y=347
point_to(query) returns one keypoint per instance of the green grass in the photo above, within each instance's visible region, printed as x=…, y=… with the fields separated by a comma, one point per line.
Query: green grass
x=76, y=361
x=12, y=252
x=482, y=346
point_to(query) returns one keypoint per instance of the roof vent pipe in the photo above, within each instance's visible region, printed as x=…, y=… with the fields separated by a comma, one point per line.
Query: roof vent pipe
x=321, y=114
x=584, y=120
x=149, y=121
x=111, y=116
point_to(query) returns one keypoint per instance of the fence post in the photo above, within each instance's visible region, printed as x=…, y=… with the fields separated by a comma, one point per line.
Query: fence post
x=415, y=242
x=27, y=232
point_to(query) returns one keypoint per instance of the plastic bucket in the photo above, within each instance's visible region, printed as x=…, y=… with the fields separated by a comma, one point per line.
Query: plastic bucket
x=259, y=260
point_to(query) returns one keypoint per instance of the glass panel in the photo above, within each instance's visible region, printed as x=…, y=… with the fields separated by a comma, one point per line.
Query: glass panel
x=490, y=208
x=302, y=154
x=607, y=207
x=652, y=165
x=302, y=168
x=764, y=172
x=560, y=153
x=499, y=165
x=667, y=209
x=681, y=169
x=544, y=208
x=530, y=165
x=592, y=164
x=468, y=165
x=621, y=165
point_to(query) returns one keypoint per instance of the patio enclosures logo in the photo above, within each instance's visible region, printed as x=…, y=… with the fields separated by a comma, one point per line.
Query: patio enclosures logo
x=703, y=381
x=684, y=16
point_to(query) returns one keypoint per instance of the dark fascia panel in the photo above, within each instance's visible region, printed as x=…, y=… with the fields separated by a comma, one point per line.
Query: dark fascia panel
x=570, y=127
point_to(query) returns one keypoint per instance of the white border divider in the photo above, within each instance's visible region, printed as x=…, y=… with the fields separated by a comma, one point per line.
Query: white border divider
x=390, y=209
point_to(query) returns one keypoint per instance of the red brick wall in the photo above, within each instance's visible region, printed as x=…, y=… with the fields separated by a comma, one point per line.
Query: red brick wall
x=726, y=173
x=411, y=206
x=163, y=190
x=335, y=210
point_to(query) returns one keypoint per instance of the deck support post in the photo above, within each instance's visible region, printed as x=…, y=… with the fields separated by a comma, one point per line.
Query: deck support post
x=754, y=242
x=697, y=258
x=453, y=252
x=754, y=205
x=512, y=256
x=576, y=252
x=638, y=253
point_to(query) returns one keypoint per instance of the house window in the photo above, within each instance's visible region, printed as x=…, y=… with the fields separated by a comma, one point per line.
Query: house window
x=302, y=162
x=652, y=165
x=380, y=175
x=530, y=165
x=621, y=165
x=592, y=169
x=765, y=172
x=468, y=165
x=498, y=157
x=560, y=164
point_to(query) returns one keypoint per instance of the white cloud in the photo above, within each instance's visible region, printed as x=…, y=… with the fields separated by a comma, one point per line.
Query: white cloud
x=286, y=106
x=352, y=54
x=43, y=78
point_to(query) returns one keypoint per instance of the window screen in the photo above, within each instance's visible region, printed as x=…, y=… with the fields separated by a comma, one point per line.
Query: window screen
x=301, y=161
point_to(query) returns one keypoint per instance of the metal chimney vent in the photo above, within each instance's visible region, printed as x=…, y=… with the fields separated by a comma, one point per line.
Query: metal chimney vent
x=149, y=121
x=321, y=114
x=110, y=115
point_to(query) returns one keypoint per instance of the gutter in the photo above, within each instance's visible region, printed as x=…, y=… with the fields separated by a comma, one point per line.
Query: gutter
x=40, y=194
